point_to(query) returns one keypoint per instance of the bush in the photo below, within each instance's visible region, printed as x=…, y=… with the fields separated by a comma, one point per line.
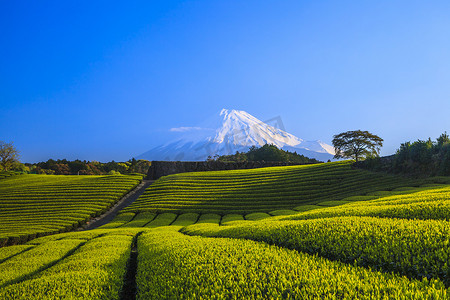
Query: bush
x=112, y=172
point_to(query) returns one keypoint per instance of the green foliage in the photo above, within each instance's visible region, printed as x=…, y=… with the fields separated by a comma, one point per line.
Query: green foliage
x=424, y=156
x=94, y=271
x=35, y=205
x=78, y=167
x=9, y=155
x=356, y=144
x=283, y=212
x=119, y=220
x=9, y=252
x=410, y=247
x=353, y=234
x=164, y=219
x=112, y=172
x=302, y=208
x=36, y=259
x=209, y=219
x=267, y=153
x=420, y=158
x=257, y=216
x=261, y=190
x=186, y=219
x=425, y=204
x=173, y=266
x=231, y=218
x=332, y=202
x=140, y=220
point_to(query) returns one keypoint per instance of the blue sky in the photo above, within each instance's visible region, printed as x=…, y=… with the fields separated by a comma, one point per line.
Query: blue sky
x=100, y=80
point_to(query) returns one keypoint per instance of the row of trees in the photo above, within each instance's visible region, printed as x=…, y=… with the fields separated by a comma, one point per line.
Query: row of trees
x=266, y=153
x=429, y=157
x=422, y=157
x=78, y=167
x=9, y=161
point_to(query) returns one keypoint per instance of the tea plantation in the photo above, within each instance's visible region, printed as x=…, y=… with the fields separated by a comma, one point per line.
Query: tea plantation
x=34, y=205
x=303, y=232
x=263, y=190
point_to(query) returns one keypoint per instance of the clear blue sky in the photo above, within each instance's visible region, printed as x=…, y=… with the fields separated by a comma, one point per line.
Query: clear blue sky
x=101, y=80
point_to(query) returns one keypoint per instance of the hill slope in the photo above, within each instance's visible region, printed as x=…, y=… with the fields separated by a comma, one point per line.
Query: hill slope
x=34, y=205
x=372, y=248
x=262, y=190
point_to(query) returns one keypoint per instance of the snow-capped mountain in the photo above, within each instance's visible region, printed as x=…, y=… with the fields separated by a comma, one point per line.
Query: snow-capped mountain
x=231, y=131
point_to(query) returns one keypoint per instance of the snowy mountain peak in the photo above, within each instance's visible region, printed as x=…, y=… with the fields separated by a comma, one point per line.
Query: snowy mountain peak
x=234, y=130
x=239, y=128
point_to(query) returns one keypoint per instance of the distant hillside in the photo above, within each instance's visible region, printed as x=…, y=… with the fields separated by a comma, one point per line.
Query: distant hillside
x=262, y=190
x=266, y=153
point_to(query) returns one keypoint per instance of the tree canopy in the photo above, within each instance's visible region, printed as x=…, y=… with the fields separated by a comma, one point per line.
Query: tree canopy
x=66, y=167
x=8, y=155
x=266, y=153
x=419, y=158
x=356, y=144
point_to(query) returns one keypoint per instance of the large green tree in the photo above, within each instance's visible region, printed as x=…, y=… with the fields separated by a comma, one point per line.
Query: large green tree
x=356, y=144
x=8, y=155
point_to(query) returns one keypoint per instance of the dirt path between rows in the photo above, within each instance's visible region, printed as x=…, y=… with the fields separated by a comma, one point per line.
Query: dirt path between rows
x=121, y=204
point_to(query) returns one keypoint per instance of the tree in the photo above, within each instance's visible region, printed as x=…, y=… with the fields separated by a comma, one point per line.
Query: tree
x=443, y=139
x=8, y=155
x=356, y=144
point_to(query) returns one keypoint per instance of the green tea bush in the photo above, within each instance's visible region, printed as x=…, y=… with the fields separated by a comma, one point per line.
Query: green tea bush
x=164, y=219
x=231, y=218
x=209, y=219
x=140, y=220
x=413, y=248
x=94, y=271
x=174, y=266
x=262, y=190
x=283, y=212
x=36, y=205
x=432, y=203
x=186, y=219
x=34, y=260
x=257, y=216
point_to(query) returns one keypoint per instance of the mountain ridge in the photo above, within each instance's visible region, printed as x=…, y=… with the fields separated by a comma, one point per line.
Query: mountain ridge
x=230, y=131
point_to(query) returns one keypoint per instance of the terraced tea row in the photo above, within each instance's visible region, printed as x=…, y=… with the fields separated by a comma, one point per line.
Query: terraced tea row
x=173, y=266
x=33, y=205
x=93, y=264
x=413, y=248
x=347, y=234
x=427, y=202
x=152, y=220
x=262, y=190
x=82, y=265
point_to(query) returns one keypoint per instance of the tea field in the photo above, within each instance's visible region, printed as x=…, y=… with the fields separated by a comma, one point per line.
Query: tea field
x=263, y=190
x=352, y=235
x=34, y=205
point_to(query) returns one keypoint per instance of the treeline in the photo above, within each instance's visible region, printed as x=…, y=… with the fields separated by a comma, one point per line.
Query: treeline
x=418, y=158
x=79, y=167
x=266, y=153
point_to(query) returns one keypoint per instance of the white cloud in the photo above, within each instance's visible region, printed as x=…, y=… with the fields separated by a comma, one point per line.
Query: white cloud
x=184, y=129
